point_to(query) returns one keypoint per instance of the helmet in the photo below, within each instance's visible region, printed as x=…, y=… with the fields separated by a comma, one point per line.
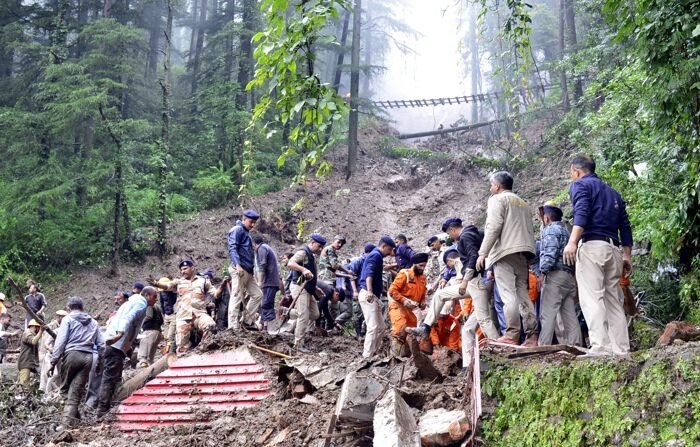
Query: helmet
x=61, y=312
x=33, y=323
x=2, y=296
x=163, y=280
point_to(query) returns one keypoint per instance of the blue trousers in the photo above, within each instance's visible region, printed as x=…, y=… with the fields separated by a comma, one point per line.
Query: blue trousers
x=267, y=307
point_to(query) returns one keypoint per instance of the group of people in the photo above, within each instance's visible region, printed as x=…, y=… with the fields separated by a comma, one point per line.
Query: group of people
x=494, y=283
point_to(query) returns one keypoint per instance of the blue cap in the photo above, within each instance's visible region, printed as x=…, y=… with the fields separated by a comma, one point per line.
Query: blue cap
x=388, y=241
x=318, y=238
x=139, y=285
x=447, y=253
x=554, y=210
x=185, y=263
x=369, y=247
x=251, y=214
x=208, y=273
x=451, y=222
x=432, y=240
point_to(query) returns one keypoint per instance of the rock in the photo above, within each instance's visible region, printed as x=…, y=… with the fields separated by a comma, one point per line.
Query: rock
x=679, y=330
x=440, y=427
x=309, y=399
x=301, y=389
x=357, y=398
x=425, y=367
x=394, y=424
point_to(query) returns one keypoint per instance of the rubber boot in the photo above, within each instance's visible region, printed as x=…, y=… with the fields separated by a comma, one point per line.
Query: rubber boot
x=300, y=346
x=71, y=416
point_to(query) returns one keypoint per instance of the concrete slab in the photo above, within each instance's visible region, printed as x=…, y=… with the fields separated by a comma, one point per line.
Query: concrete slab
x=394, y=424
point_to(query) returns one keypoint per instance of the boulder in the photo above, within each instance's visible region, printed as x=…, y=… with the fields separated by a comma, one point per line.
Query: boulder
x=679, y=330
x=394, y=424
x=440, y=427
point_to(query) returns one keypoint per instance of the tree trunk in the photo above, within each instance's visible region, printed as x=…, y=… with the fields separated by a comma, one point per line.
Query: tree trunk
x=572, y=42
x=474, y=62
x=367, y=75
x=193, y=35
x=152, y=23
x=562, y=49
x=354, y=88
x=196, y=59
x=341, y=55
x=165, y=134
x=107, y=8
x=85, y=153
x=116, y=240
x=245, y=64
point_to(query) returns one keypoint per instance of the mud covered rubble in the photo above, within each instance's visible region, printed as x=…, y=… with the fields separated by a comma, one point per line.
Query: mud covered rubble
x=305, y=393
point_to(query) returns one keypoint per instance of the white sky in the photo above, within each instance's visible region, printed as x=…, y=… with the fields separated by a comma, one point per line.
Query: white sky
x=433, y=71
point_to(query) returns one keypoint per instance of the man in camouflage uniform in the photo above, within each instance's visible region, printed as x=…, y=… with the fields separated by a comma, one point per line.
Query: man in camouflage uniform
x=190, y=307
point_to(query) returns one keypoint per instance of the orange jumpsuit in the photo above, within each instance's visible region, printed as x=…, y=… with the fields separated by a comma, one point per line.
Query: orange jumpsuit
x=446, y=333
x=406, y=285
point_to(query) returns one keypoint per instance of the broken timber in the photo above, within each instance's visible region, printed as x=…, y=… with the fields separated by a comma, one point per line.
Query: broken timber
x=431, y=133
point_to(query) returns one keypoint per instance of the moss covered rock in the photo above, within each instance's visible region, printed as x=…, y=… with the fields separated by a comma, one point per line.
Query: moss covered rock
x=651, y=400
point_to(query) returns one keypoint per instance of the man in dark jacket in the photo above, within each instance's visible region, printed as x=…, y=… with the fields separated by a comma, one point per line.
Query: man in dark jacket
x=269, y=279
x=242, y=256
x=28, y=361
x=470, y=282
x=76, y=338
x=150, y=337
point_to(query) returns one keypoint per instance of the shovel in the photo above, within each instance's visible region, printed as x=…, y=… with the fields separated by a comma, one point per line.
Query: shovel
x=285, y=318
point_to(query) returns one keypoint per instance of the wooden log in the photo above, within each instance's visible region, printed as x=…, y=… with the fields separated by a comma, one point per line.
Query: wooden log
x=143, y=377
x=431, y=133
x=29, y=311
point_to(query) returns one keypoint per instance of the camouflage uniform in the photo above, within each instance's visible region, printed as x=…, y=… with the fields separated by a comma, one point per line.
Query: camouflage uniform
x=327, y=264
x=190, y=310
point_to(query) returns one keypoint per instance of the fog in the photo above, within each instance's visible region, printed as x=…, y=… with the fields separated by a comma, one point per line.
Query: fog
x=433, y=70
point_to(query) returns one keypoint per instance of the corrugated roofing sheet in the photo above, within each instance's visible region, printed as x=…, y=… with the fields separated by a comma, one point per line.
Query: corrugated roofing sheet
x=192, y=387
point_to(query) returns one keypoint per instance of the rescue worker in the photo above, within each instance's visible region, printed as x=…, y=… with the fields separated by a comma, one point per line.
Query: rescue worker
x=403, y=252
x=46, y=383
x=3, y=309
x=447, y=330
x=556, y=282
x=28, y=361
x=304, y=273
x=76, y=338
x=168, y=298
x=119, y=340
x=406, y=293
x=190, y=307
x=507, y=247
x=36, y=301
x=5, y=333
x=352, y=288
x=600, y=246
x=269, y=279
x=433, y=270
x=151, y=335
x=371, y=287
x=330, y=270
x=241, y=253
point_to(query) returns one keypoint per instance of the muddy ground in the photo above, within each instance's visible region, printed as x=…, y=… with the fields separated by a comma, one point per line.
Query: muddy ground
x=280, y=416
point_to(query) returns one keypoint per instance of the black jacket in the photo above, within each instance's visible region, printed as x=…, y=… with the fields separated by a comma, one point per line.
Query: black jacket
x=468, y=247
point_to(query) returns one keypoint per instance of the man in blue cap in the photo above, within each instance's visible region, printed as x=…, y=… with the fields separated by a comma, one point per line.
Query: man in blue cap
x=352, y=288
x=241, y=253
x=556, y=281
x=371, y=285
x=304, y=273
x=601, y=247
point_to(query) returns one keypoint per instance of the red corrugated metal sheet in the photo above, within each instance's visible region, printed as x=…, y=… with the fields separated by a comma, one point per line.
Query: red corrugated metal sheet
x=195, y=384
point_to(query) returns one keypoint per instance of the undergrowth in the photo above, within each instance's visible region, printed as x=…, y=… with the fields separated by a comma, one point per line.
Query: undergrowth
x=640, y=402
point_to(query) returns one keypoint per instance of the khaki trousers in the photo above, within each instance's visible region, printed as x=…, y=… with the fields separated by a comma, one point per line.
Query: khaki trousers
x=200, y=321
x=240, y=286
x=598, y=271
x=25, y=375
x=169, y=329
x=442, y=296
x=558, y=298
x=148, y=346
x=468, y=332
x=512, y=280
x=307, y=312
x=375, y=324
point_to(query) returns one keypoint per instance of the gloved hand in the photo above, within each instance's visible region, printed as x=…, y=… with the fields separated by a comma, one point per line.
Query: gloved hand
x=370, y=297
x=423, y=305
x=409, y=303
